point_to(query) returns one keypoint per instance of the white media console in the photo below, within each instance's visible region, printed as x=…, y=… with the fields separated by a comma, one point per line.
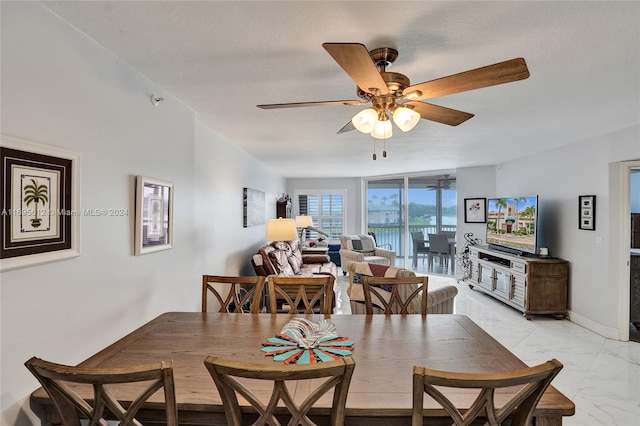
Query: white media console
x=530, y=284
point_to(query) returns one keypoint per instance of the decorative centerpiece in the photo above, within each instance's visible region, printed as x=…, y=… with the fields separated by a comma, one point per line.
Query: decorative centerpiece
x=304, y=342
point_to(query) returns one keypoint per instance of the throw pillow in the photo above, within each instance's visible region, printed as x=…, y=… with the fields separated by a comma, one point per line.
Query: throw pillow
x=280, y=262
x=295, y=262
x=372, y=270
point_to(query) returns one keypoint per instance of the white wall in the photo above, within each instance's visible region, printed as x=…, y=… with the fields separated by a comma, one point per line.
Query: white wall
x=222, y=170
x=559, y=177
x=473, y=182
x=60, y=88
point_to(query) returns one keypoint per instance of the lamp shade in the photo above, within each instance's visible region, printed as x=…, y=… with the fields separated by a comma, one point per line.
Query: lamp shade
x=382, y=130
x=303, y=221
x=365, y=120
x=281, y=230
x=405, y=118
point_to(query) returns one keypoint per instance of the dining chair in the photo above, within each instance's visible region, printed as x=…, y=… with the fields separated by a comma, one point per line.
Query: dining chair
x=296, y=294
x=58, y=381
x=532, y=383
x=244, y=294
x=225, y=374
x=439, y=246
x=419, y=246
x=401, y=294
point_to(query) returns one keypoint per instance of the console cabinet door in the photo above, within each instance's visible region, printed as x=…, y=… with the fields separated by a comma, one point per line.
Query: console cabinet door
x=502, y=283
x=485, y=276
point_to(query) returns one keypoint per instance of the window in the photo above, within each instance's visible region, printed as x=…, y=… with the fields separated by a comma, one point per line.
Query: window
x=398, y=206
x=325, y=206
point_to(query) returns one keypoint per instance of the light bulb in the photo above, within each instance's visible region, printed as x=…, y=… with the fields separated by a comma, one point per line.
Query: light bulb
x=405, y=118
x=365, y=120
x=382, y=130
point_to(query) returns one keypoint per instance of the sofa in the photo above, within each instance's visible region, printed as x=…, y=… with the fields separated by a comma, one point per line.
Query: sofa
x=285, y=258
x=362, y=248
x=440, y=297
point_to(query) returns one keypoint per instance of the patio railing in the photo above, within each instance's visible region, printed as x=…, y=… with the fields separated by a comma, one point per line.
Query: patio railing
x=394, y=235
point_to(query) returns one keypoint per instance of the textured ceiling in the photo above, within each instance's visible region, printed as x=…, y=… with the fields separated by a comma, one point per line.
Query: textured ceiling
x=223, y=58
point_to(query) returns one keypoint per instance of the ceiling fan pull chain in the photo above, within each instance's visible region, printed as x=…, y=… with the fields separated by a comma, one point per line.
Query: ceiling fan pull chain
x=384, y=149
x=375, y=157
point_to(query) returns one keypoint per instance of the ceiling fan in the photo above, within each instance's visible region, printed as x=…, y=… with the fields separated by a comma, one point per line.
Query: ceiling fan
x=391, y=93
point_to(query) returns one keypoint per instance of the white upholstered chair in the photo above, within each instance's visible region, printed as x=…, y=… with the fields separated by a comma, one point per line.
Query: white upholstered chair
x=362, y=248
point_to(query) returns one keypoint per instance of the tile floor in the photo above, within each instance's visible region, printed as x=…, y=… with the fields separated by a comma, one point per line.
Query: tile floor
x=601, y=376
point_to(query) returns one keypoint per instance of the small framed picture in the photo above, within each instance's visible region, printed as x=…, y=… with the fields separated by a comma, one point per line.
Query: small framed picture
x=587, y=212
x=154, y=215
x=475, y=210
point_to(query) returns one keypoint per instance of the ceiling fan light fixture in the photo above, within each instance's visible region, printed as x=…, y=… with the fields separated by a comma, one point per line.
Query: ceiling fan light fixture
x=365, y=120
x=382, y=129
x=405, y=118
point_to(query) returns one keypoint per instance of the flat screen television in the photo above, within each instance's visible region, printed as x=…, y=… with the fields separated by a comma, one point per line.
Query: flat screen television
x=512, y=224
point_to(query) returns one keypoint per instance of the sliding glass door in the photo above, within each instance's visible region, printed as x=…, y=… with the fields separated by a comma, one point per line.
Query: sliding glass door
x=398, y=207
x=385, y=213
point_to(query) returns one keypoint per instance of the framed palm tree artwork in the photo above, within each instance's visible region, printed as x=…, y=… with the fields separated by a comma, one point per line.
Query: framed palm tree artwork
x=39, y=205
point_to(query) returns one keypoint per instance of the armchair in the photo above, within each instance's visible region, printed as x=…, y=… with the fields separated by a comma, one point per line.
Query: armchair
x=362, y=248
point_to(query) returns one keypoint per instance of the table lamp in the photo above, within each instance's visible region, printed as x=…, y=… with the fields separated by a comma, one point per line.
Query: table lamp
x=281, y=230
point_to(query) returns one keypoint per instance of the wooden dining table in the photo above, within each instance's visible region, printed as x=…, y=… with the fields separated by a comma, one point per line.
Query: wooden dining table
x=386, y=349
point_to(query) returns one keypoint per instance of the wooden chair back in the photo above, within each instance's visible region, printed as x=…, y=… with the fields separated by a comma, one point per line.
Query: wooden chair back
x=404, y=291
x=225, y=374
x=58, y=381
x=244, y=293
x=306, y=295
x=533, y=381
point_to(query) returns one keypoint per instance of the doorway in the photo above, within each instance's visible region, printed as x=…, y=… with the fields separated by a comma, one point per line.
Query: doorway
x=634, y=261
x=629, y=291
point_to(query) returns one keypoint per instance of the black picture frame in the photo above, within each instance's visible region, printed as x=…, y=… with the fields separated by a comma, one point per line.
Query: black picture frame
x=39, y=204
x=587, y=212
x=475, y=210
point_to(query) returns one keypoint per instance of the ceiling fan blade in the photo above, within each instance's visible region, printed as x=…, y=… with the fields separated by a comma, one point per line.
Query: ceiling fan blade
x=355, y=60
x=308, y=104
x=491, y=75
x=349, y=127
x=439, y=114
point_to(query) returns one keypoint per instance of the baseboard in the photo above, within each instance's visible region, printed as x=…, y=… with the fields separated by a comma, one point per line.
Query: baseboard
x=607, y=332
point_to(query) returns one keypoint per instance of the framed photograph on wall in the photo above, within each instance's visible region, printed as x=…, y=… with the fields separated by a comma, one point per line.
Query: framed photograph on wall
x=154, y=215
x=587, y=212
x=475, y=210
x=40, y=203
